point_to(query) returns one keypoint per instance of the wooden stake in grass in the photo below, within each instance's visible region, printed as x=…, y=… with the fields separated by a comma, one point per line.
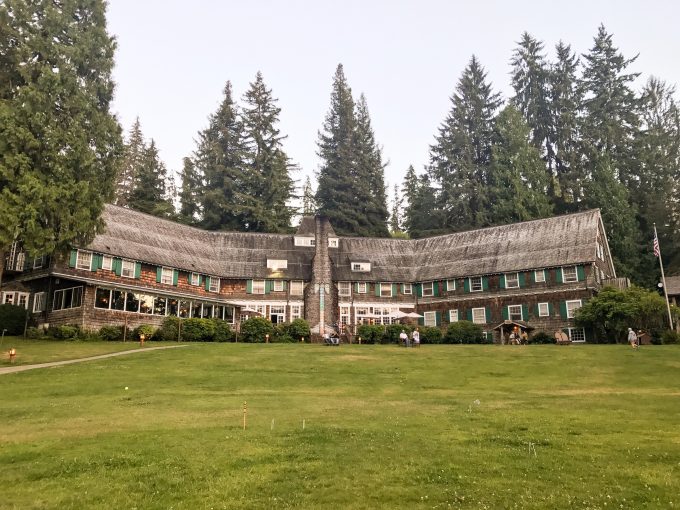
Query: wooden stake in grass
x=245, y=412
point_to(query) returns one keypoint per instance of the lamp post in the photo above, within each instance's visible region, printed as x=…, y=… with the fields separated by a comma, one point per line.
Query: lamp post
x=142, y=337
x=266, y=338
x=12, y=354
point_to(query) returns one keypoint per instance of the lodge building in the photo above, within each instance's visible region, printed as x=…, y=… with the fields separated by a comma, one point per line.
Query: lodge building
x=141, y=269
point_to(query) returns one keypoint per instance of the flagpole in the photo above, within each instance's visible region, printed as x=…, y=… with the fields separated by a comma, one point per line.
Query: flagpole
x=657, y=247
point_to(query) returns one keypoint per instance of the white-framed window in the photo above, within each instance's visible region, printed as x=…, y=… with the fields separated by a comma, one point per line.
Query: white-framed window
x=344, y=316
x=277, y=313
x=511, y=280
x=539, y=276
x=479, y=315
x=276, y=264
x=476, y=284
x=362, y=288
x=515, y=313
x=450, y=285
x=305, y=241
x=362, y=267
x=344, y=288
x=128, y=269
x=107, y=262
x=39, y=302
x=430, y=318
x=258, y=286
x=295, y=312
x=428, y=289
x=569, y=274
x=67, y=298
x=385, y=290
x=453, y=315
x=83, y=259
x=577, y=334
x=278, y=285
x=195, y=279
x=543, y=310
x=8, y=298
x=214, y=285
x=408, y=289
x=39, y=262
x=332, y=242
x=572, y=306
x=296, y=287
x=23, y=299
x=360, y=313
x=167, y=275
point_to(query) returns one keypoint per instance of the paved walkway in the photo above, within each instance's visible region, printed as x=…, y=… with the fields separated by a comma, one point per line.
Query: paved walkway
x=21, y=368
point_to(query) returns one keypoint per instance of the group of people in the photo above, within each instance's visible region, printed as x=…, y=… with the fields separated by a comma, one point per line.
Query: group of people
x=414, y=340
x=517, y=338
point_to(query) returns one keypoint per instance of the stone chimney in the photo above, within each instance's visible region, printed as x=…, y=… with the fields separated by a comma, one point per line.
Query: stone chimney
x=321, y=297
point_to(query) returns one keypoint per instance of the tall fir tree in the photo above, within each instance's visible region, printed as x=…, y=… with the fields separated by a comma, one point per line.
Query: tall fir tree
x=460, y=158
x=370, y=175
x=517, y=182
x=220, y=162
x=268, y=187
x=308, y=202
x=133, y=158
x=565, y=104
x=420, y=219
x=337, y=191
x=189, y=193
x=395, y=215
x=60, y=143
x=608, y=127
x=149, y=193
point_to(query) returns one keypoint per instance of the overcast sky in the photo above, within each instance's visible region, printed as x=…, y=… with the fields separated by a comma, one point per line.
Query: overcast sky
x=174, y=58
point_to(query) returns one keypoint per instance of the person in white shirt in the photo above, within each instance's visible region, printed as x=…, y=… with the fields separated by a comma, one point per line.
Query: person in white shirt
x=416, y=338
x=632, y=338
x=403, y=337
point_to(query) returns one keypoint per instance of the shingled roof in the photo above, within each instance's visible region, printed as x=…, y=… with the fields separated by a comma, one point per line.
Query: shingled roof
x=549, y=242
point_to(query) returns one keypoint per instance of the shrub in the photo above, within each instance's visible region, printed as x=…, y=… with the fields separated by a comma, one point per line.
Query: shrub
x=254, y=330
x=111, y=333
x=370, y=333
x=223, y=331
x=464, y=332
x=430, y=335
x=299, y=328
x=64, y=332
x=541, y=338
x=168, y=330
x=393, y=331
x=35, y=333
x=198, y=330
x=670, y=337
x=143, y=329
x=13, y=319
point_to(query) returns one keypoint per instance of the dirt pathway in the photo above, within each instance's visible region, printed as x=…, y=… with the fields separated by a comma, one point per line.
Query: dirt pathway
x=21, y=368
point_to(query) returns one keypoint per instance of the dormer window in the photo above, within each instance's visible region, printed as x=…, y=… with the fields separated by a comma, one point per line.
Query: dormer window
x=332, y=242
x=305, y=241
x=277, y=264
x=363, y=267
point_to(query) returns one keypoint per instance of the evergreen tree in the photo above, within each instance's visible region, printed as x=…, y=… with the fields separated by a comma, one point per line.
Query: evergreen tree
x=308, y=202
x=220, y=162
x=135, y=149
x=517, y=179
x=420, y=219
x=370, y=176
x=460, y=158
x=338, y=191
x=395, y=216
x=149, y=193
x=268, y=187
x=59, y=144
x=609, y=127
x=189, y=193
x=565, y=101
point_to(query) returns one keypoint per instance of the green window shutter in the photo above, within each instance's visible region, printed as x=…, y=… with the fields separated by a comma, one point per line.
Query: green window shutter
x=581, y=273
x=437, y=318
x=249, y=286
x=175, y=276
x=466, y=285
x=504, y=313
x=207, y=283
x=536, y=311
x=468, y=314
x=487, y=313
x=525, y=312
x=159, y=272
x=485, y=283
x=188, y=278
x=501, y=281
x=138, y=270
x=532, y=278
x=558, y=275
x=377, y=289
x=551, y=309
x=563, y=309
x=72, y=258
x=95, y=262
x=522, y=280
x=421, y=321
x=268, y=286
x=419, y=289
x=395, y=290
x=435, y=289
x=117, y=265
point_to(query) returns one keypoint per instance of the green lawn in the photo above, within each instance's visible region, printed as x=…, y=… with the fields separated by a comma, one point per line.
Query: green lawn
x=384, y=427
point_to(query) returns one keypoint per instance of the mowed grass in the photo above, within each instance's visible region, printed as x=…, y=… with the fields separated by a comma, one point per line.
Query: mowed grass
x=384, y=427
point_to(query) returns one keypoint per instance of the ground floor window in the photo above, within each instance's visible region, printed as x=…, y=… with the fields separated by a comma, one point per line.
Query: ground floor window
x=572, y=306
x=295, y=312
x=344, y=316
x=430, y=318
x=15, y=298
x=479, y=315
x=543, y=309
x=277, y=313
x=577, y=335
x=67, y=298
x=39, y=302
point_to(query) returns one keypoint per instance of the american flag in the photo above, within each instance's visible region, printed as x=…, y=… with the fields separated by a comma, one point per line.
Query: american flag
x=657, y=252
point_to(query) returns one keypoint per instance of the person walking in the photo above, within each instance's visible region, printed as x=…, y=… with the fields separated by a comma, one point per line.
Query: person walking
x=632, y=338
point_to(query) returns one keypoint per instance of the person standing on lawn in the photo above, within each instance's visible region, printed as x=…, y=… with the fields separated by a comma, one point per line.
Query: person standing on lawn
x=632, y=338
